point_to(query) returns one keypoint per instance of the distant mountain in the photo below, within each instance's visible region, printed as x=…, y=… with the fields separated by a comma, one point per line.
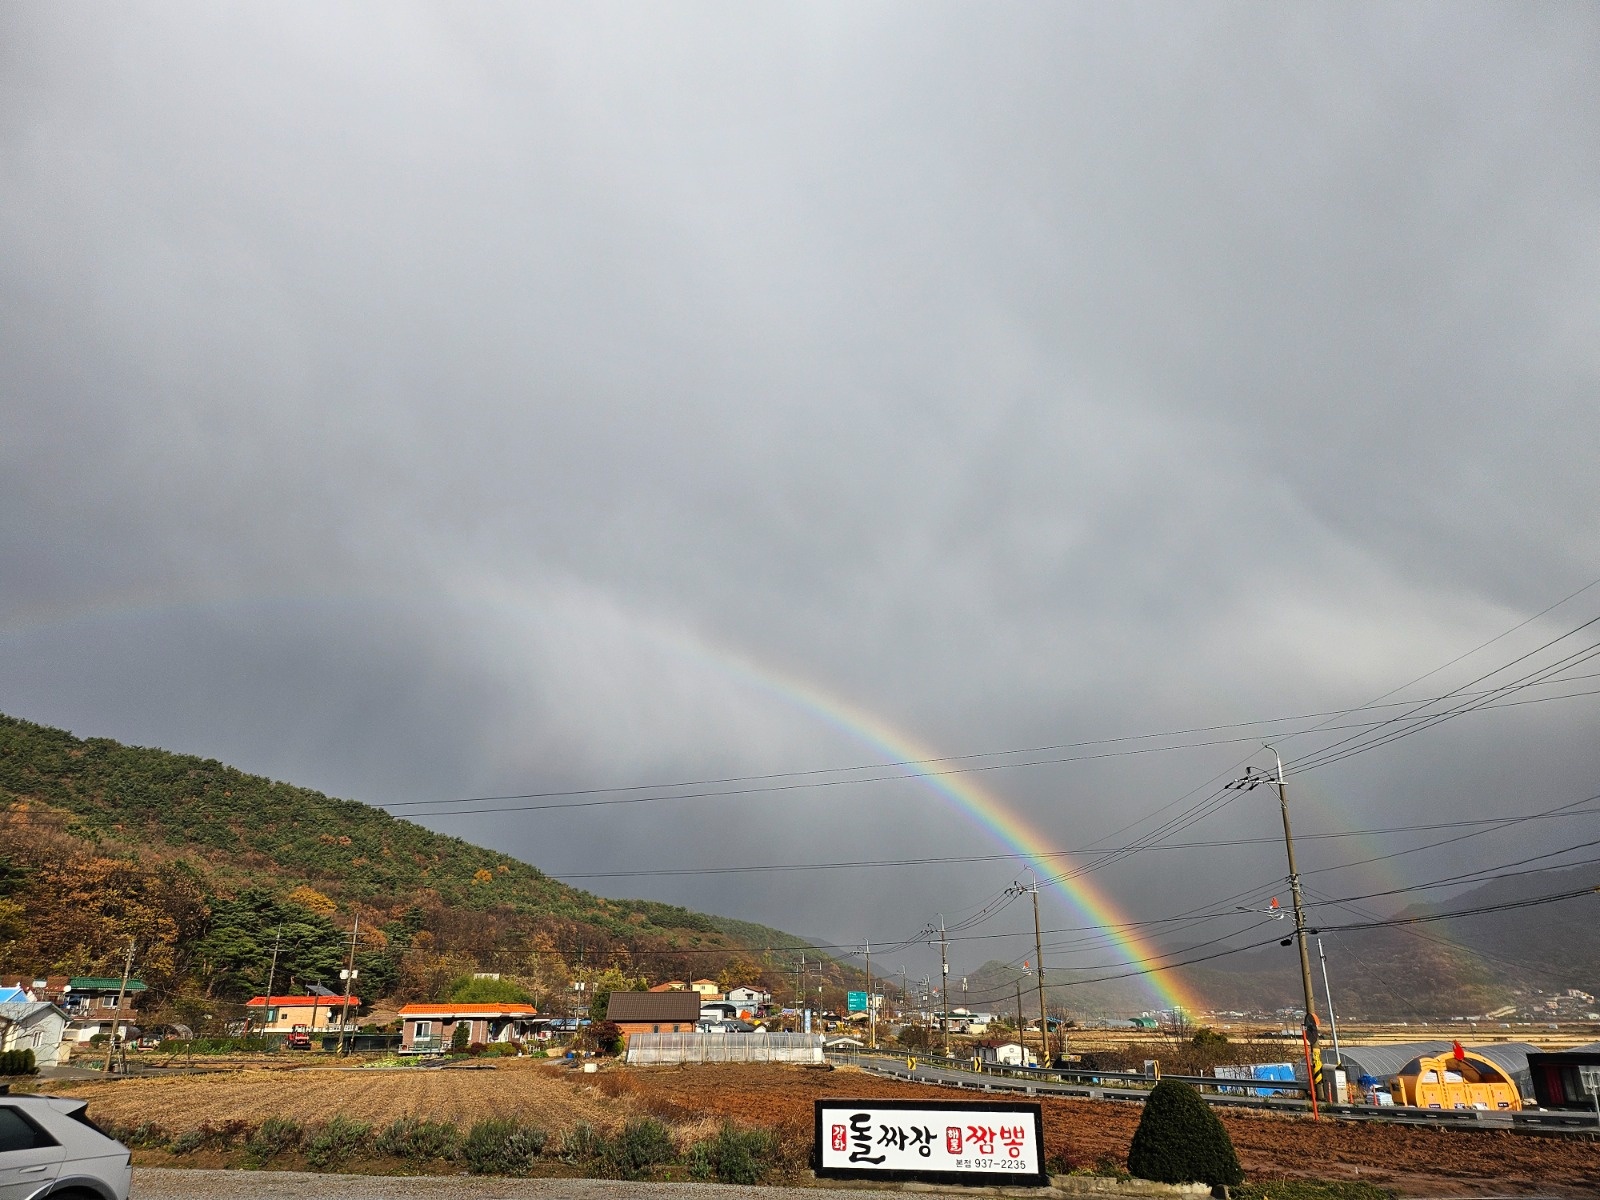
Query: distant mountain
x=207, y=868
x=1463, y=966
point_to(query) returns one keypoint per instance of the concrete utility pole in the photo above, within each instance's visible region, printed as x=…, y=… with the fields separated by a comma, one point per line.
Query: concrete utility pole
x=944, y=967
x=1248, y=783
x=872, y=1017
x=349, y=978
x=116, y=1025
x=272, y=973
x=1038, y=952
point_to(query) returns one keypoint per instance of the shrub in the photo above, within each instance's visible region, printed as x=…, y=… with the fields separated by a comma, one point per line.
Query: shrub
x=583, y=1144
x=210, y=1135
x=338, y=1140
x=502, y=1146
x=734, y=1156
x=1180, y=1140
x=420, y=1141
x=17, y=1062
x=277, y=1135
x=460, y=1036
x=143, y=1136
x=637, y=1148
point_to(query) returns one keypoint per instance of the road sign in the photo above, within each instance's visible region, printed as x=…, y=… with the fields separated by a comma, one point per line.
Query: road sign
x=970, y=1142
x=856, y=1002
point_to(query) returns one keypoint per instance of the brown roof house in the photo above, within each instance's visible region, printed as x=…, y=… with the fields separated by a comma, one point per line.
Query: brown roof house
x=653, y=1012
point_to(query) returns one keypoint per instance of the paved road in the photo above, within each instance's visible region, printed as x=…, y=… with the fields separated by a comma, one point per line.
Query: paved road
x=156, y=1183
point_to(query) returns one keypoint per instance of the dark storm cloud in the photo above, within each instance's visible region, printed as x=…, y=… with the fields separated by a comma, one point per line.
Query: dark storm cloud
x=415, y=402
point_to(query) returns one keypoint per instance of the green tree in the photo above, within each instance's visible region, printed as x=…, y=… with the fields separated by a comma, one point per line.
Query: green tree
x=611, y=980
x=461, y=1037
x=1180, y=1140
x=471, y=989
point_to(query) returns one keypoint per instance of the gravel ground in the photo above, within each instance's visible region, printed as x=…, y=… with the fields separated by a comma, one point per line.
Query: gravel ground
x=156, y=1183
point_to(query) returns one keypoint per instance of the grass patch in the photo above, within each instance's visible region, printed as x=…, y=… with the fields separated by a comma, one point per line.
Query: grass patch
x=1312, y=1189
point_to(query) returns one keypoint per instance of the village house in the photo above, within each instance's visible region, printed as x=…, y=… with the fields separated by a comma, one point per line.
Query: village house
x=35, y=1025
x=90, y=1003
x=706, y=989
x=671, y=985
x=654, y=1012
x=431, y=1028
x=748, y=1001
x=311, y=1014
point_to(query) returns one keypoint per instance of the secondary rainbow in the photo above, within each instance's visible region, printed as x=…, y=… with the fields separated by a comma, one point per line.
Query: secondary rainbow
x=1005, y=825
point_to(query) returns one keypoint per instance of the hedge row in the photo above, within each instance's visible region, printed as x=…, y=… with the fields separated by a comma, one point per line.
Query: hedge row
x=495, y=1146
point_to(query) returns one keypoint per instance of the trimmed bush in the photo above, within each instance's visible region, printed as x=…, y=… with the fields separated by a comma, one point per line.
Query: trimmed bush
x=1180, y=1140
x=420, y=1141
x=17, y=1062
x=277, y=1135
x=338, y=1140
x=735, y=1155
x=502, y=1146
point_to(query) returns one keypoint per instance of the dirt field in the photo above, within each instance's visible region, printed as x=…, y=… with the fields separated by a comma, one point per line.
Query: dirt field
x=1418, y=1161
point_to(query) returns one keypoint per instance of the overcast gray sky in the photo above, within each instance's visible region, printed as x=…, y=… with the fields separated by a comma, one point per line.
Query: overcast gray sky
x=422, y=402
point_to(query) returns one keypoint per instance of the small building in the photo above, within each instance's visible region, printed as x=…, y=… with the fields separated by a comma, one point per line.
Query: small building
x=707, y=989
x=748, y=999
x=431, y=1028
x=35, y=1025
x=671, y=985
x=654, y=1012
x=90, y=1003
x=1566, y=1078
x=309, y=1014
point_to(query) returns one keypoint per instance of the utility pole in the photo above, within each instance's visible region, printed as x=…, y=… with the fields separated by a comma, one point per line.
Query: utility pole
x=1038, y=953
x=272, y=971
x=1248, y=783
x=349, y=978
x=116, y=1028
x=944, y=967
x=872, y=1017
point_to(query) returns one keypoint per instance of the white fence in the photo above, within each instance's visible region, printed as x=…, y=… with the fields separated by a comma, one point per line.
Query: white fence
x=654, y=1049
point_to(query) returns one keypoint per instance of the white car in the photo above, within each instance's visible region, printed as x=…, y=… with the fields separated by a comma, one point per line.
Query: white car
x=50, y=1148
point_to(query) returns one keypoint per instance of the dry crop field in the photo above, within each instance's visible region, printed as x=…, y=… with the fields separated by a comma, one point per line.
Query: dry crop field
x=693, y=1100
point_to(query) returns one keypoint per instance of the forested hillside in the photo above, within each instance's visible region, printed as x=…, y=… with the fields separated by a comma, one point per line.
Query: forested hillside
x=207, y=868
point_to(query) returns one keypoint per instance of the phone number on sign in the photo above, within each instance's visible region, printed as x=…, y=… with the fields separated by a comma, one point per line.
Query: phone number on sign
x=991, y=1164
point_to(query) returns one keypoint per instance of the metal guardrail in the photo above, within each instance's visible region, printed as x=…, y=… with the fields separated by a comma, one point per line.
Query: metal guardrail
x=1545, y=1122
x=1101, y=1078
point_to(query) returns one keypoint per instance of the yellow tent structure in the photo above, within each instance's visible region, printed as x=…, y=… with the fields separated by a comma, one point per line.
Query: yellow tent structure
x=1449, y=1081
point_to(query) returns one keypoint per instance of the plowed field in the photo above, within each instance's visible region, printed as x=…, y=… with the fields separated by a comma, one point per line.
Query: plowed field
x=1419, y=1161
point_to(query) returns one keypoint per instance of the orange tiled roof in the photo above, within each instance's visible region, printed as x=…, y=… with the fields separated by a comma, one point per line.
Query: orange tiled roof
x=469, y=1010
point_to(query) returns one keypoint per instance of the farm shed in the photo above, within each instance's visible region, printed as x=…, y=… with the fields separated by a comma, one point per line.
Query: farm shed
x=1558, y=1076
x=1383, y=1063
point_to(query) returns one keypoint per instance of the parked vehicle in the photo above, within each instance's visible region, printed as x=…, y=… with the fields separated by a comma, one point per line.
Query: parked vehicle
x=50, y=1148
x=299, y=1038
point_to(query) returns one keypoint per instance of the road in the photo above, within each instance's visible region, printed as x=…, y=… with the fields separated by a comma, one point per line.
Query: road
x=156, y=1183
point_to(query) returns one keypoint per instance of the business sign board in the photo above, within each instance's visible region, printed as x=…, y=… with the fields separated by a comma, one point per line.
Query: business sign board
x=855, y=1001
x=972, y=1142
